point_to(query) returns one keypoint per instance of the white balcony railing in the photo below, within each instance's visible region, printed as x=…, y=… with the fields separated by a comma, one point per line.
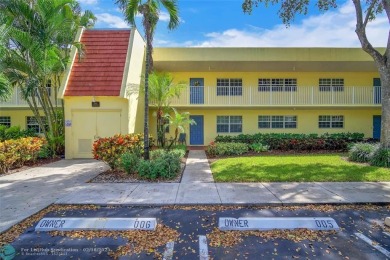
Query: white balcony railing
x=17, y=100
x=279, y=96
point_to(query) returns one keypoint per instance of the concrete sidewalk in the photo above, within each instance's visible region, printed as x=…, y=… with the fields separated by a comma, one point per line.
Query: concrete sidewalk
x=25, y=193
x=198, y=187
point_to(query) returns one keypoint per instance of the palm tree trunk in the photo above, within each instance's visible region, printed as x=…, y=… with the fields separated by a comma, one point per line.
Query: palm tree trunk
x=160, y=127
x=146, y=116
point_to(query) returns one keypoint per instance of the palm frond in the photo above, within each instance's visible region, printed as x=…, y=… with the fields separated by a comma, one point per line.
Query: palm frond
x=171, y=7
x=131, y=9
x=5, y=88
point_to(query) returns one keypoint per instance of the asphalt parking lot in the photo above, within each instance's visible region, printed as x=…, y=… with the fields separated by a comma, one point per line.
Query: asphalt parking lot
x=362, y=235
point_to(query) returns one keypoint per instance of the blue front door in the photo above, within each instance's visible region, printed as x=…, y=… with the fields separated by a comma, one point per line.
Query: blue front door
x=376, y=132
x=197, y=91
x=196, y=131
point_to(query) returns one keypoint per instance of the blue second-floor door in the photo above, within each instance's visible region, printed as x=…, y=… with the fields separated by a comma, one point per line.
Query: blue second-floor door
x=376, y=128
x=377, y=91
x=197, y=91
x=196, y=131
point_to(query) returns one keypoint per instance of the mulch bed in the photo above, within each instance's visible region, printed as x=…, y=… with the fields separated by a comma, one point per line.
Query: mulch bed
x=119, y=176
x=31, y=164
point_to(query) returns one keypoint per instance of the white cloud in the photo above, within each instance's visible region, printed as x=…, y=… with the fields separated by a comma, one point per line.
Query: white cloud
x=331, y=29
x=168, y=43
x=163, y=17
x=88, y=2
x=111, y=21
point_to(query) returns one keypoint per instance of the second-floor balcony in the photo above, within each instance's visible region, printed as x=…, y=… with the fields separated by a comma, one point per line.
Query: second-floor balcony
x=279, y=96
x=17, y=100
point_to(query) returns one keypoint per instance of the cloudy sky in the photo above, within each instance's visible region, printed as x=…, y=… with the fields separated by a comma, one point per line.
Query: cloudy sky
x=221, y=23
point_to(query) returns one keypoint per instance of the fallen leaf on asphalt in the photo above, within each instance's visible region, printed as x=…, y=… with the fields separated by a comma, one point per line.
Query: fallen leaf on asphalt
x=138, y=240
x=219, y=238
x=15, y=231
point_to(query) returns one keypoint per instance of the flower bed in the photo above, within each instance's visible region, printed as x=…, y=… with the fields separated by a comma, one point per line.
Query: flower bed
x=123, y=153
x=15, y=153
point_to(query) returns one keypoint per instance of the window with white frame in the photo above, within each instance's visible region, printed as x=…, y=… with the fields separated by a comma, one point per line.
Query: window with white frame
x=277, y=85
x=267, y=121
x=5, y=120
x=229, y=87
x=229, y=124
x=32, y=124
x=331, y=84
x=328, y=121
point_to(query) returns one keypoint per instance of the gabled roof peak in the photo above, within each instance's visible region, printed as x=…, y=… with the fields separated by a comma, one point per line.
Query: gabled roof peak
x=100, y=70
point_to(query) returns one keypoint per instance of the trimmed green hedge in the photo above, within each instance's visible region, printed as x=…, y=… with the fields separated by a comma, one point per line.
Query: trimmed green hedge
x=224, y=149
x=299, y=142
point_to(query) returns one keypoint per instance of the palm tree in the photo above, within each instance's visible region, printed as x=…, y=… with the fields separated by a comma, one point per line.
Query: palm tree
x=37, y=38
x=150, y=11
x=179, y=121
x=161, y=91
x=5, y=86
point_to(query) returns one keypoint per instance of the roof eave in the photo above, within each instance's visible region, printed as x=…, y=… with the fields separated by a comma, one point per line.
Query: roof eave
x=73, y=53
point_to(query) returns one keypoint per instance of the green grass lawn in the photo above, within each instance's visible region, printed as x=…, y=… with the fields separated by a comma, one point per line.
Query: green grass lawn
x=301, y=168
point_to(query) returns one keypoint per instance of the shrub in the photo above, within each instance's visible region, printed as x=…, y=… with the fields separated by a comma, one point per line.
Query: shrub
x=145, y=170
x=275, y=141
x=2, y=132
x=169, y=165
x=129, y=162
x=45, y=152
x=180, y=149
x=381, y=157
x=180, y=146
x=110, y=149
x=180, y=153
x=15, y=153
x=156, y=153
x=212, y=149
x=166, y=163
x=227, y=149
x=361, y=152
x=163, y=164
x=258, y=147
x=14, y=132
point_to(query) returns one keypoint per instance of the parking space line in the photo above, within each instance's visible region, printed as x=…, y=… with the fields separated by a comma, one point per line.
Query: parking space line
x=373, y=244
x=168, y=253
x=203, y=249
x=387, y=234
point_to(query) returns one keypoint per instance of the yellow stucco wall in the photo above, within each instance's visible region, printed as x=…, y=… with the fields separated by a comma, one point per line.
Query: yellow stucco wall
x=132, y=81
x=355, y=120
x=18, y=116
x=83, y=105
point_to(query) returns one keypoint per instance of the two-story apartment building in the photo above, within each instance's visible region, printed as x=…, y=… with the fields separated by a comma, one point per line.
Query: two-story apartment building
x=230, y=90
x=282, y=90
